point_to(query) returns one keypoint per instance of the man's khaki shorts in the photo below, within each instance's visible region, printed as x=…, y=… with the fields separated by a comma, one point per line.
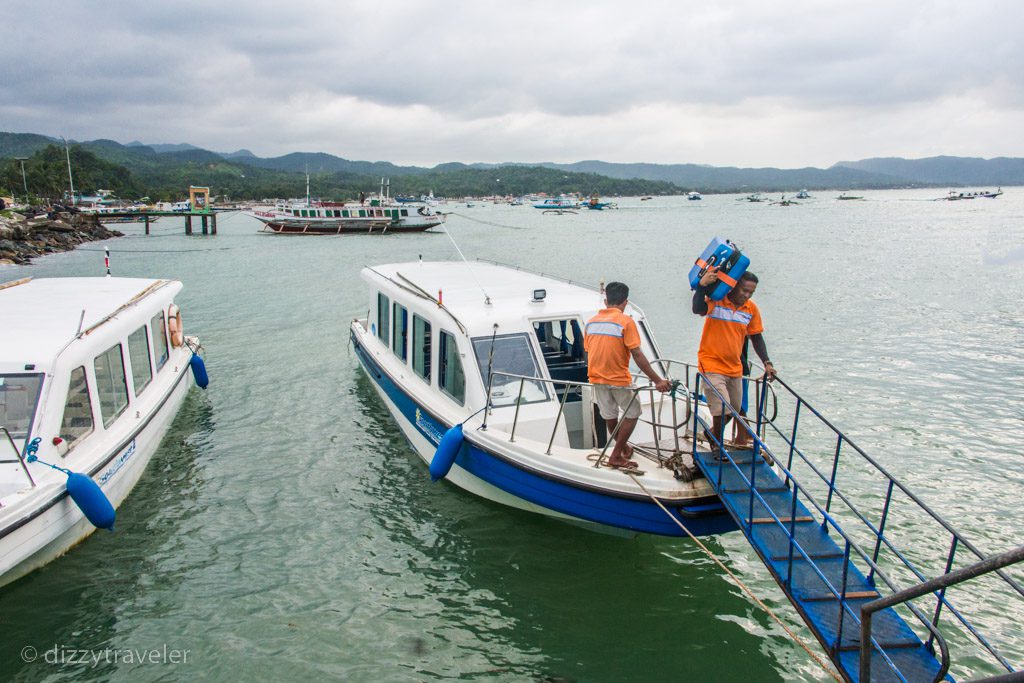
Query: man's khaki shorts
x=611, y=400
x=729, y=387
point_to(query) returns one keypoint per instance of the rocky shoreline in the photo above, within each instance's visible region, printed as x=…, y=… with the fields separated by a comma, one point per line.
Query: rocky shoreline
x=22, y=239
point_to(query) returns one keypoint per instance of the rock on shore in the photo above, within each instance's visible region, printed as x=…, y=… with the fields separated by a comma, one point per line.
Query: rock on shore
x=22, y=239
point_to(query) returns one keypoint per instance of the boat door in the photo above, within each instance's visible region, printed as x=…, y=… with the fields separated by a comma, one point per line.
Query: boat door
x=561, y=343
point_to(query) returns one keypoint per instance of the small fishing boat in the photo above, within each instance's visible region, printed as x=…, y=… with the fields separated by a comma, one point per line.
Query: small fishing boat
x=848, y=197
x=954, y=195
x=92, y=372
x=753, y=197
x=595, y=204
x=694, y=196
x=507, y=365
x=562, y=202
x=803, y=194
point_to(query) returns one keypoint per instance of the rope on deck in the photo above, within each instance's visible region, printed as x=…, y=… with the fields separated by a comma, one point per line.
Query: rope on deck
x=797, y=639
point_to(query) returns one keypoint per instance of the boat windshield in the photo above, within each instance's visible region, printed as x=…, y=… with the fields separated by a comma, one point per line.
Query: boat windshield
x=512, y=355
x=18, y=397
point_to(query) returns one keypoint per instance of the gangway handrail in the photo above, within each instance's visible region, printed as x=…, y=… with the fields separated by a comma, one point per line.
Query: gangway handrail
x=794, y=545
x=878, y=532
x=884, y=472
x=578, y=386
x=991, y=564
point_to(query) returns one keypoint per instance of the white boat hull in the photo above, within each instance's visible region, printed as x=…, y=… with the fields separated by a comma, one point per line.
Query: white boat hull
x=46, y=530
x=457, y=475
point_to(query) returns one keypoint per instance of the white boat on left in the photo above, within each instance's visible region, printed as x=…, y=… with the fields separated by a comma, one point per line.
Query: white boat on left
x=92, y=373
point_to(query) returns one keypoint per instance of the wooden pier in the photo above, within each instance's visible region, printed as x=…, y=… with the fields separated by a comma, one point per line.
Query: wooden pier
x=208, y=219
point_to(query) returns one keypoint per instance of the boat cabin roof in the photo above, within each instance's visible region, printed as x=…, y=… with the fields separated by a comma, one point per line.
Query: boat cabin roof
x=41, y=316
x=511, y=293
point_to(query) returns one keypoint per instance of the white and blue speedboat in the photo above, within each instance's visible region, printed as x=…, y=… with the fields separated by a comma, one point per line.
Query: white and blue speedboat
x=439, y=348
x=92, y=373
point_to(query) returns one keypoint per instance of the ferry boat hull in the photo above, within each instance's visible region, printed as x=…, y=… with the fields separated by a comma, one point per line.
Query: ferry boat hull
x=55, y=524
x=485, y=472
x=96, y=403
x=340, y=226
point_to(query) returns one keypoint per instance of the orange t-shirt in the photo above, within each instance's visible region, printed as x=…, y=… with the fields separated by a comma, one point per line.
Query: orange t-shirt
x=725, y=328
x=610, y=335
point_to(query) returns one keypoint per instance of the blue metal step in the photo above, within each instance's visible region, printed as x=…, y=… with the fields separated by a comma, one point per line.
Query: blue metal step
x=801, y=579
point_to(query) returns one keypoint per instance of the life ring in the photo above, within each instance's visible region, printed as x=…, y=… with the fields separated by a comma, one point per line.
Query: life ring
x=174, y=328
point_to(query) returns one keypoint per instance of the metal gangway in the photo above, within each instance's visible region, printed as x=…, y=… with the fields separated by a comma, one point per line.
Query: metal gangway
x=881, y=581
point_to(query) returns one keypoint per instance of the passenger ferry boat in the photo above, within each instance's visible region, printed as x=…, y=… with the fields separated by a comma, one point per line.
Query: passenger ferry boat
x=380, y=214
x=489, y=386
x=438, y=349
x=330, y=218
x=92, y=372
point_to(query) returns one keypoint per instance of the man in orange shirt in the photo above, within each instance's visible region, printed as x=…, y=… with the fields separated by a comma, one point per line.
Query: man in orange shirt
x=611, y=339
x=727, y=324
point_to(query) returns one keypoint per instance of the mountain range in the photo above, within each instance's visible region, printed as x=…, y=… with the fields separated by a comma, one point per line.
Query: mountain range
x=152, y=162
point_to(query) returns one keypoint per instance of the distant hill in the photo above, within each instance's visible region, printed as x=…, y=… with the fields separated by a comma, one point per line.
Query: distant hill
x=23, y=144
x=160, y=149
x=319, y=162
x=956, y=171
x=166, y=167
x=730, y=179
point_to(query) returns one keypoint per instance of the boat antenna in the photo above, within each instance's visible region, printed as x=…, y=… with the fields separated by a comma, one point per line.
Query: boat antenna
x=307, y=184
x=487, y=299
x=490, y=364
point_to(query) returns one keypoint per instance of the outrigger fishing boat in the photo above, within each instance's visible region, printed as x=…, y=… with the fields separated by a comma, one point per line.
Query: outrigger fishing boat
x=488, y=382
x=92, y=372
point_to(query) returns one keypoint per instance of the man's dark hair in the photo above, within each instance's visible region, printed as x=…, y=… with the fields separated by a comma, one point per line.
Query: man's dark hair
x=616, y=293
x=748, y=276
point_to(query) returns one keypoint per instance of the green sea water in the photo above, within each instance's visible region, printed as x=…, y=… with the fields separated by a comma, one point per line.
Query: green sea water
x=286, y=531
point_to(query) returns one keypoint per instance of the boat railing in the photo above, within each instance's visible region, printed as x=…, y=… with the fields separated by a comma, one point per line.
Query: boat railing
x=867, y=539
x=20, y=459
x=566, y=387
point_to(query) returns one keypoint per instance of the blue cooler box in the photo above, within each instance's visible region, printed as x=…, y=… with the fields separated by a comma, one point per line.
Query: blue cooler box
x=724, y=254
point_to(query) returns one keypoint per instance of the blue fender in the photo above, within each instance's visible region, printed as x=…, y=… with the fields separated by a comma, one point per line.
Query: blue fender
x=444, y=456
x=91, y=500
x=199, y=371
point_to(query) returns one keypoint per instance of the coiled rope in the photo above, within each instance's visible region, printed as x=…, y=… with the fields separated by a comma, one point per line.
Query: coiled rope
x=797, y=639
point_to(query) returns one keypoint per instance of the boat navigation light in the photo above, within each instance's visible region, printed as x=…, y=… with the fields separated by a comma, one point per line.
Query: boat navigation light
x=539, y=294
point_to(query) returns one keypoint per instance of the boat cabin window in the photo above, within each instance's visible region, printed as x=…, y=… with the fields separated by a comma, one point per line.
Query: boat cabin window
x=110, y=384
x=383, y=318
x=159, y=332
x=400, y=332
x=512, y=355
x=650, y=351
x=450, y=375
x=561, y=342
x=138, y=354
x=18, y=396
x=421, y=347
x=77, y=421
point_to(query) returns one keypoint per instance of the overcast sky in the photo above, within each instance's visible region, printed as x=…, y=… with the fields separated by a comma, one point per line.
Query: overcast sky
x=787, y=83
